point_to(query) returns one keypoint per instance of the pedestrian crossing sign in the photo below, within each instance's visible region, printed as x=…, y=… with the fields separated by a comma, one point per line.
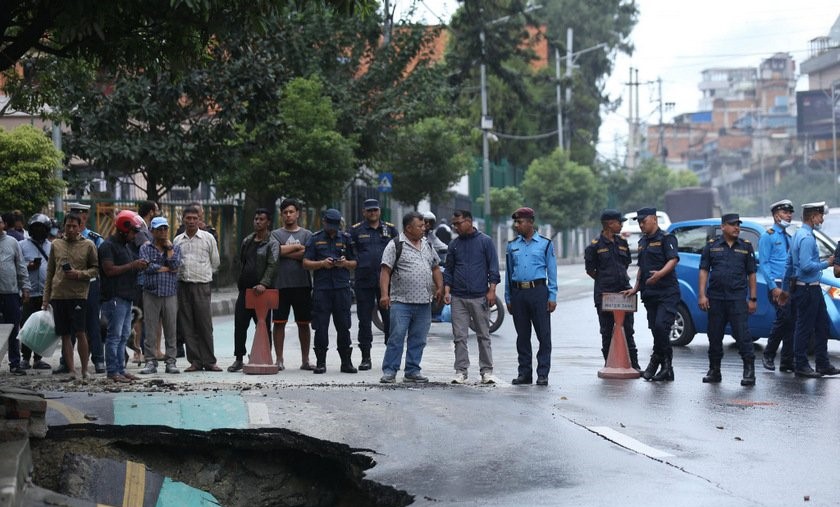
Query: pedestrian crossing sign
x=386, y=182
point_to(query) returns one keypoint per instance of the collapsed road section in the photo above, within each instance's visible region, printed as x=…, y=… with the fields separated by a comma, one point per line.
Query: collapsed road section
x=158, y=465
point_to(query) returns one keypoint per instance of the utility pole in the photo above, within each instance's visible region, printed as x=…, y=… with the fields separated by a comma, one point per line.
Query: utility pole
x=569, y=65
x=661, y=125
x=834, y=109
x=630, y=133
x=559, y=92
x=386, y=28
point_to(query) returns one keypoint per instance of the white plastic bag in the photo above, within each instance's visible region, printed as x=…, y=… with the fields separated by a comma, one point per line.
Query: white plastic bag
x=38, y=333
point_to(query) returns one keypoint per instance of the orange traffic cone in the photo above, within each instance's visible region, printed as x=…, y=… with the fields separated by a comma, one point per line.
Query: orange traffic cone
x=259, y=362
x=618, y=360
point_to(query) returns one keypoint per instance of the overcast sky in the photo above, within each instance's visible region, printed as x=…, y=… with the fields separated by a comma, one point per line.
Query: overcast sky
x=677, y=39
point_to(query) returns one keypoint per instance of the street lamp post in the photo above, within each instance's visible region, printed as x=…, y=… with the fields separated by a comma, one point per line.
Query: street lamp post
x=834, y=111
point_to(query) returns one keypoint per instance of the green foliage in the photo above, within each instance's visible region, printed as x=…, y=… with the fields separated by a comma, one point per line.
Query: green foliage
x=28, y=161
x=503, y=202
x=647, y=185
x=563, y=193
x=309, y=159
x=427, y=158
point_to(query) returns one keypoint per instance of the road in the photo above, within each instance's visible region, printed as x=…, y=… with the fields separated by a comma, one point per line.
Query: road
x=580, y=441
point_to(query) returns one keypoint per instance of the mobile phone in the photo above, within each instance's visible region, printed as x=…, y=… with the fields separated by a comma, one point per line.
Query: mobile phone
x=36, y=261
x=66, y=266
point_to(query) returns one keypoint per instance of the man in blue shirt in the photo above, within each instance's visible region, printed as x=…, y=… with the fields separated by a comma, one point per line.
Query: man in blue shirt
x=329, y=255
x=811, y=314
x=531, y=294
x=369, y=239
x=657, y=280
x=470, y=278
x=773, y=249
x=727, y=263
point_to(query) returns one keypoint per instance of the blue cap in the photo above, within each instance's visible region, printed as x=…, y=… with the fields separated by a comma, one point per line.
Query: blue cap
x=730, y=218
x=645, y=212
x=371, y=204
x=159, y=222
x=331, y=217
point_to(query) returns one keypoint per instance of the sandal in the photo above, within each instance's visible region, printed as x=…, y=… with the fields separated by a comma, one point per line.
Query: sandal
x=119, y=379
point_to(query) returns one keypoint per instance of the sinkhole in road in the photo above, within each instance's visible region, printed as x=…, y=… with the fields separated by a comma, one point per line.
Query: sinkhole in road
x=250, y=467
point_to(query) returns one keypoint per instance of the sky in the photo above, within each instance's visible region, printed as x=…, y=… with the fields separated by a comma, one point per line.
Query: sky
x=676, y=39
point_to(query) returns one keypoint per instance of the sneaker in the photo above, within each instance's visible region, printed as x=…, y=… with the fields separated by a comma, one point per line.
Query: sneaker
x=459, y=378
x=24, y=365
x=170, y=368
x=488, y=378
x=43, y=365
x=151, y=367
x=415, y=378
x=17, y=370
x=388, y=378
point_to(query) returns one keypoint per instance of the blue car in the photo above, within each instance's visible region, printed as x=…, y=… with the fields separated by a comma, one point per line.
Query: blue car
x=692, y=235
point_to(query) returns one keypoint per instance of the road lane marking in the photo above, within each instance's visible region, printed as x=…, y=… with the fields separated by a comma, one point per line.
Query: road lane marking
x=258, y=414
x=135, y=484
x=628, y=442
x=73, y=416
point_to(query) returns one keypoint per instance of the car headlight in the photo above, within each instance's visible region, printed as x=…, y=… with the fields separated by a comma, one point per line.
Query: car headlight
x=833, y=292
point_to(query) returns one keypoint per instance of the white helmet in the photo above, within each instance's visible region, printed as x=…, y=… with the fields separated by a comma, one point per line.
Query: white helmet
x=428, y=215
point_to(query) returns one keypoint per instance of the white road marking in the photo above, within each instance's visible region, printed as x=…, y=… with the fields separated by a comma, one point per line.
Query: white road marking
x=628, y=442
x=258, y=414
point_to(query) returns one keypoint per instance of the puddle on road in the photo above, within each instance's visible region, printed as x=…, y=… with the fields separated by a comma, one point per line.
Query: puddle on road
x=160, y=466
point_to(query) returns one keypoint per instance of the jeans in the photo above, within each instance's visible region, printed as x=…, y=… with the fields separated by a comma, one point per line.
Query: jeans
x=92, y=324
x=117, y=311
x=414, y=320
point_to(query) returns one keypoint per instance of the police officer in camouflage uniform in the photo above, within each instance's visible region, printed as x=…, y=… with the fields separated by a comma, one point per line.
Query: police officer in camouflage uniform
x=329, y=255
x=370, y=237
x=606, y=260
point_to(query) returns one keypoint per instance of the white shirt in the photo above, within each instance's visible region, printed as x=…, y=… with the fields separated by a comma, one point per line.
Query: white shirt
x=199, y=257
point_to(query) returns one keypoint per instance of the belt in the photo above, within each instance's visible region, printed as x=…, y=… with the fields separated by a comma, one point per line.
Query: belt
x=808, y=283
x=529, y=285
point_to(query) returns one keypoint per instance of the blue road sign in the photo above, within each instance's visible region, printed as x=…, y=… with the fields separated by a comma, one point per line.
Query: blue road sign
x=386, y=182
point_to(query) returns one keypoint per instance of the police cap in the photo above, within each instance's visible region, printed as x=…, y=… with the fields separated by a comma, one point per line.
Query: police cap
x=371, y=204
x=784, y=204
x=523, y=213
x=612, y=214
x=645, y=212
x=331, y=217
x=77, y=206
x=820, y=207
x=731, y=218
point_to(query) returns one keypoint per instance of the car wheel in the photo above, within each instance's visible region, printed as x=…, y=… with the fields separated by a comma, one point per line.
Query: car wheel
x=497, y=316
x=682, y=332
x=377, y=320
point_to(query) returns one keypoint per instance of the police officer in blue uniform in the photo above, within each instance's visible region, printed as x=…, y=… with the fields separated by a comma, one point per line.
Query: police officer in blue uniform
x=727, y=264
x=606, y=261
x=773, y=250
x=802, y=278
x=329, y=255
x=657, y=281
x=531, y=295
x=370, y=237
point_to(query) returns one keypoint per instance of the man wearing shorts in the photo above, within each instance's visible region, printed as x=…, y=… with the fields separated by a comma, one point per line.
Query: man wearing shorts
x=294, y=282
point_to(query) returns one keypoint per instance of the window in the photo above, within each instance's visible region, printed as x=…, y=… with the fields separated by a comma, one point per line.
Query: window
x=692, y=239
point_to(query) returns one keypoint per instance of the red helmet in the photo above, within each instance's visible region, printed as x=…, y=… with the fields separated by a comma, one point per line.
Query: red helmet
x=127, y=221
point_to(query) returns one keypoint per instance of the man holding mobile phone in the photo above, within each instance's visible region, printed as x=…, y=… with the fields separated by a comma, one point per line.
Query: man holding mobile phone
x=36, y=251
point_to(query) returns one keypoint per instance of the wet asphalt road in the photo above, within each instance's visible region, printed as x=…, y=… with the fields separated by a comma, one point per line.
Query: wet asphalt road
x=580, y=441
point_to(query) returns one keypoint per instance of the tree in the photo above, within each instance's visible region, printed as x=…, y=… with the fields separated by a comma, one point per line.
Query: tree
x=28, y=161
x=134, y=34
x=503, y=202
x=648, y=184
x=309, y=159
x=427, y=158
x=563, y=193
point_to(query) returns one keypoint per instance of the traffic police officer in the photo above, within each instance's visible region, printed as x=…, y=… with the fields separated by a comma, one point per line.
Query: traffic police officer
x=727, y=263
x=531, y=294
x=805, y=268
x=606, y=260
x=329, y=254
x=370, y=237
x=773, y=249
x=657, y=280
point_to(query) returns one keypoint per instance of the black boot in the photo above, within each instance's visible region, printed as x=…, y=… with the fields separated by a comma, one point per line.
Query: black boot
x=749, y=373
x=347, y=361
x=366, y=363
x=320, y=361
x=652, y=366
x=667, y=371
x=634, y=360
x=713, y=376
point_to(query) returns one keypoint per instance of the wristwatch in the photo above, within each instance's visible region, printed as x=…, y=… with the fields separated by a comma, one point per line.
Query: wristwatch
x=753, y=299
